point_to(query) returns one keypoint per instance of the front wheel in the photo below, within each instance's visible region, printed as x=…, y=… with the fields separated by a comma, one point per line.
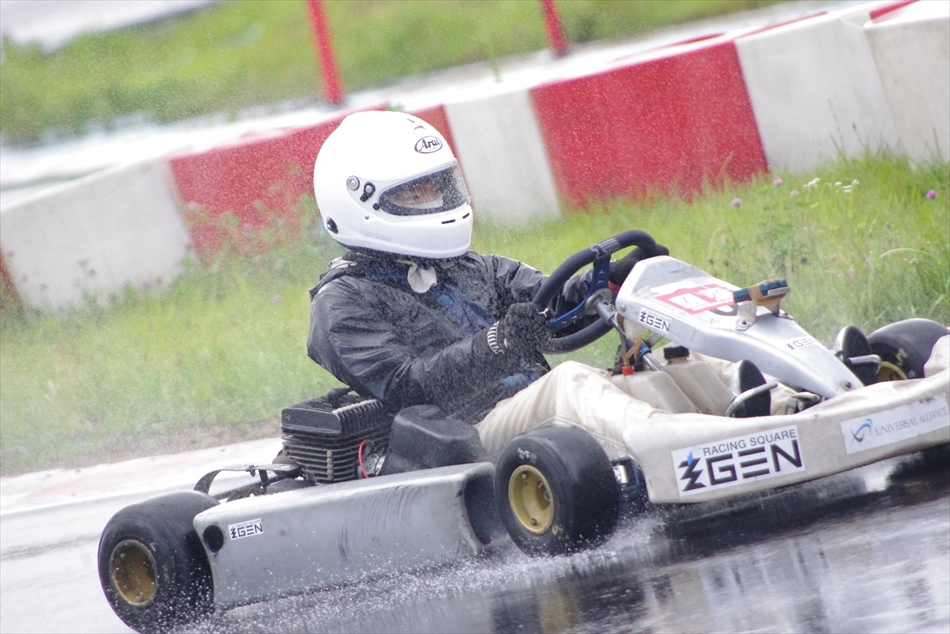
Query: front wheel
x=152, y=567
x=904, y=347
x=556, y=491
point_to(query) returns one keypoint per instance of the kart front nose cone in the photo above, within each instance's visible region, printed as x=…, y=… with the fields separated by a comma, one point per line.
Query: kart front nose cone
x=133, y=572
x=531, y=501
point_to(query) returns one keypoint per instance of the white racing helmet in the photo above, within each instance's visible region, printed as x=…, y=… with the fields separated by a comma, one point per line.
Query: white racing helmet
x=388, y=181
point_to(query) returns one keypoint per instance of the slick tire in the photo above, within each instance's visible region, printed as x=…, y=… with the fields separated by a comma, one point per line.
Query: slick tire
x=152, y=567
x=904, y=347
x=556, y=491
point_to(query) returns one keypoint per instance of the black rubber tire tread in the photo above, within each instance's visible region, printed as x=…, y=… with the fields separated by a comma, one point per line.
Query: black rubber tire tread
x=907, y=344
x=184, y=592
x=585, y=492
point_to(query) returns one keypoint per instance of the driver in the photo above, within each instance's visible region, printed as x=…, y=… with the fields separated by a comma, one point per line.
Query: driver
x=409, y=315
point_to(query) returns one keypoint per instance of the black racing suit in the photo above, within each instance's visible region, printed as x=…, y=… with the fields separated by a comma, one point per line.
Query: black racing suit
x=375, y=334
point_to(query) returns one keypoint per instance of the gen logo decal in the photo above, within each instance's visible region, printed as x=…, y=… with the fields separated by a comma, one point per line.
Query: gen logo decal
x=245, y=529
x=793, y=345
x=654, y=321
x=736, y=460
x=428, y=145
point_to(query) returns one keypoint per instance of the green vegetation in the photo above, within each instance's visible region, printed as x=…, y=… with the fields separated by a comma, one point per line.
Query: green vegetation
x=215, y=355
x=243, y=54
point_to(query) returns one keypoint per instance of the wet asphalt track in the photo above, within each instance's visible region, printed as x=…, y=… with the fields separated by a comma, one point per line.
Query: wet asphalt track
x=867, y=551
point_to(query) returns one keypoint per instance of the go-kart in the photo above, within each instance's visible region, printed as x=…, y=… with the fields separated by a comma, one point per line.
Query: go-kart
x=361, y=491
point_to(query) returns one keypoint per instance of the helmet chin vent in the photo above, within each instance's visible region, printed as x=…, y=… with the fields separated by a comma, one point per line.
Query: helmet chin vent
x=331, y=226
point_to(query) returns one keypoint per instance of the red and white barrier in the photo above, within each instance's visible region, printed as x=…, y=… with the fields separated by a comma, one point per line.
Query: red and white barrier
x=670, y=120
x=815, y=90
x=85, y=240
x=499, y=146
x=911, y=49
x=577, y=130
x=256, y=179
x=251, y=179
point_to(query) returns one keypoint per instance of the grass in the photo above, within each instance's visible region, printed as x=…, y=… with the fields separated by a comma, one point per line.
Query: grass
x=243, y=54
x=214, y=356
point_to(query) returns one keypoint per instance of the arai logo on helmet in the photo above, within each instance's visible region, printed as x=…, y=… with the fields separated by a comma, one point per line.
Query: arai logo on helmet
x=428, y=145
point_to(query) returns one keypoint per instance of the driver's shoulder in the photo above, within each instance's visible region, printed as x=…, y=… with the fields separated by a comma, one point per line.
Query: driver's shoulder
x=342, y=276
x=496, y=264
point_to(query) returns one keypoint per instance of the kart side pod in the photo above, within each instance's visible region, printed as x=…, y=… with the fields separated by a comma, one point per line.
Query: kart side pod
x=268, y=546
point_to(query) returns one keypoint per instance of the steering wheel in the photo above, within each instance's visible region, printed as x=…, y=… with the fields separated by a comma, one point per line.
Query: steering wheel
x=598, y=255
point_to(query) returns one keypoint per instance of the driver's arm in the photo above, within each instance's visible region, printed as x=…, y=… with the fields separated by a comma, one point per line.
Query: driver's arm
x=517, y=282
x=352, y=338
x=356, y=337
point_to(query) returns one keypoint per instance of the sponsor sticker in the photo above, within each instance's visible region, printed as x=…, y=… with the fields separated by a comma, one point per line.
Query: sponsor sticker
x=699, y=299
x=797, y=344
x=654, y=321
x=732, y=461
x=895, y=425
x=245, y=529
x=428, y=145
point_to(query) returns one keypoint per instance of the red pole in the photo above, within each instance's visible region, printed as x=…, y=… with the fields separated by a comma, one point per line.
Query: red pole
x=331, y=80
x=555, y=33
x=10, y=295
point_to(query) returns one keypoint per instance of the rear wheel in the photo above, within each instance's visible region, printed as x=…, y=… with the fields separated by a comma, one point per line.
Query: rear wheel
x=556, y=491
x=904, y=347
x=152, y=566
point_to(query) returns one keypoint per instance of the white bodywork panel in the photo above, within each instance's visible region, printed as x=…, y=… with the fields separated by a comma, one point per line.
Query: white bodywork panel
x=339, y=533
x=693, y=457
x=694, y=309
x=697, y=458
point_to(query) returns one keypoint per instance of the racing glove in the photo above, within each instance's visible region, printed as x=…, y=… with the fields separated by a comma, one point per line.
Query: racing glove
x=620, y=269
x=522, y=329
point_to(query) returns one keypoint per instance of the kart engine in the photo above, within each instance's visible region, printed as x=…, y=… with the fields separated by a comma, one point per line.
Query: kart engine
x=325, y=441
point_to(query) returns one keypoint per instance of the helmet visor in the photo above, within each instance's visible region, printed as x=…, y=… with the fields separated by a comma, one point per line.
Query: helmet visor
x=443, y=190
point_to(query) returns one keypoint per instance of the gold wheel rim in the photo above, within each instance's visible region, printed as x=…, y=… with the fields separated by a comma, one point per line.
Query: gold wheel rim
x=531, y=499
x=133, y=572
x=890, y=372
